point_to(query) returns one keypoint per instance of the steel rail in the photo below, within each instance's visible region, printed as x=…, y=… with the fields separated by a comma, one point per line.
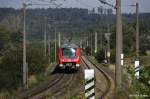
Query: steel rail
x=52, y=87
x=43, y=87
x=104, y=93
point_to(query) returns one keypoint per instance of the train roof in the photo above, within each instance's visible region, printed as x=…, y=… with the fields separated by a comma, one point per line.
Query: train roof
x=69, y=45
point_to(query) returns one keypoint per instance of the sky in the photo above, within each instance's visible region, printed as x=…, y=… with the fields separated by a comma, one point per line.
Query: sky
x=144, y=5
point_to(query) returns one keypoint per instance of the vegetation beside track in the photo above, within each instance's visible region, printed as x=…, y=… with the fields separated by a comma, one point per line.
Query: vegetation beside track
x=139, y=88
x=11, y=62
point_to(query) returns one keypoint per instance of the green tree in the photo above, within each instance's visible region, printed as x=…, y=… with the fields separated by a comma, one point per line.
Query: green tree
x=36, y=59
x=11, y=68
x=4, y=39
x=11, y=59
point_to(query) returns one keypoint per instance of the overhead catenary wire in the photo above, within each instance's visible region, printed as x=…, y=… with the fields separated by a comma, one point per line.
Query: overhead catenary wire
x=53, y=2
x=84, y=4
x=43, y=3
x=107, y=3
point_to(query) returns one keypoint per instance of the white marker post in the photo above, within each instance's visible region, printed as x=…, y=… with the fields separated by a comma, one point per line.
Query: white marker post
x=137, y=69
x=89, y=83
x=122, y=56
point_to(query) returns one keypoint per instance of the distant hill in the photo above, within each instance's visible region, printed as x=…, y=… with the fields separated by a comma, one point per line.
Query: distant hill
x=65, y=20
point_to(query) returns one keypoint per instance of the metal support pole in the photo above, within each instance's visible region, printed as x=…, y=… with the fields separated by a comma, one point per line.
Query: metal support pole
x=137, y=31
x=108, y=52
x=24, y=47
x=118, y=45
x=107, y=35
x=59, y=41
x=87, y=43
x=49, y=49
x=105, y=56
x=55, y=44
x=137, y=62
x=45, y=38
x=95, y=42
x=101, y=41
x=27, y=72
x=81, y=44
x=49, y=46
x=91, y=44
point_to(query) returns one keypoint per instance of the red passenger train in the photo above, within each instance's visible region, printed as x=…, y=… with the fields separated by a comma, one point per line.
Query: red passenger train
x=69, y=56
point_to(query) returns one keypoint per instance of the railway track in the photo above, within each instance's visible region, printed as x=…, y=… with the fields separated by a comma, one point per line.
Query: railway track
x=58, y=89
x=56, y=85
x=53, y=86
x=104, y=83
x=67, y=83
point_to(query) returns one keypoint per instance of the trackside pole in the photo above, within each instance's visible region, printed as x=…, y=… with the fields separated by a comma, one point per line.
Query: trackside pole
x=59, y=41
x=137, y=69
x=89, y=83
x=87, y=43
x=27, y=72
x=95, y=42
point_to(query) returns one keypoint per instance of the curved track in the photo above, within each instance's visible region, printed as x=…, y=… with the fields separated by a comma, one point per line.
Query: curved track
x=40, y=89
x=60, y=80
x=54, y=86
x=104, y=81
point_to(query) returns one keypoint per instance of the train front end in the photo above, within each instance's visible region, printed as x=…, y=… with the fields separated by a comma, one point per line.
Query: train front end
x=69, y=57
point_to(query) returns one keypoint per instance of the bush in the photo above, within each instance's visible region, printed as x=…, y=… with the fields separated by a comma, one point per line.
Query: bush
x=36, y=59
x=100, y=55
x=11, y=68
x=87, y=50
x=145, y=80
x=141, y=86
x=11, y=65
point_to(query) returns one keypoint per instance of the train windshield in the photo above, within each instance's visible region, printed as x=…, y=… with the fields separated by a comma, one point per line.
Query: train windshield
x=69, y=52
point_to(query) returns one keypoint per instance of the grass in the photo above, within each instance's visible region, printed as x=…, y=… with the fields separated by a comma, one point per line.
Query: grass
x=34, y=80
x=4, y=94
x=67, y=96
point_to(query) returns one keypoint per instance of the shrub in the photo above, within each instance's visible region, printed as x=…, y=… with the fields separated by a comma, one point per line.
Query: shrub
x=11, y=65
x=100, y=55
